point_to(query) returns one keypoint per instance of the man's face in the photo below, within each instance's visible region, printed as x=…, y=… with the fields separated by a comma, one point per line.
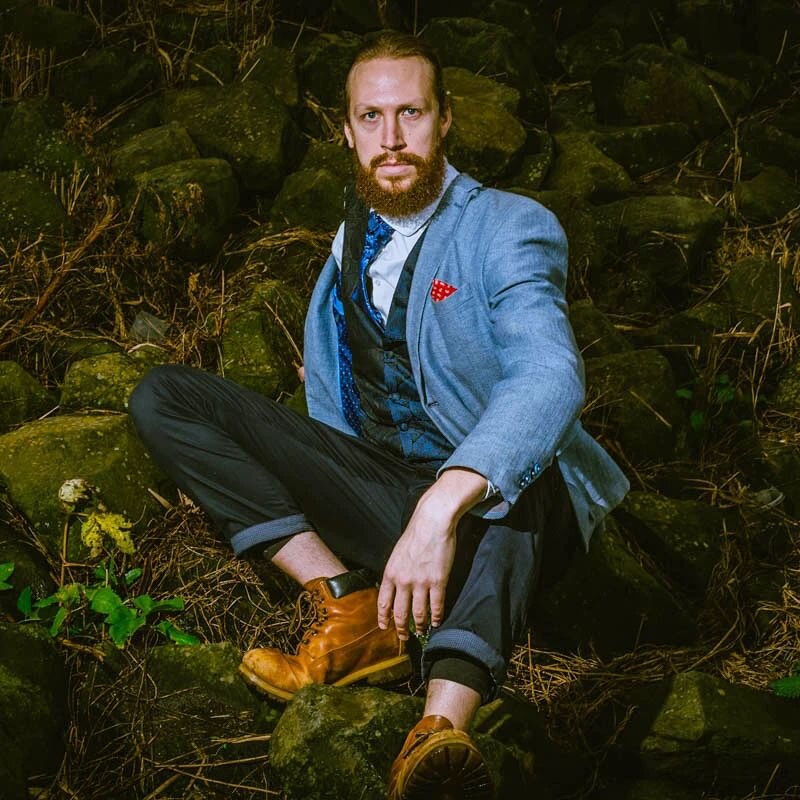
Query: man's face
x=396, y=131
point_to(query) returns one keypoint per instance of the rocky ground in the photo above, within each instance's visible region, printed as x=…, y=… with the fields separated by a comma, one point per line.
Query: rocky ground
x=170, y=178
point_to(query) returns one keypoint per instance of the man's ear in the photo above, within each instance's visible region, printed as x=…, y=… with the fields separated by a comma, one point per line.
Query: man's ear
x=348, y=134
x=445, y=120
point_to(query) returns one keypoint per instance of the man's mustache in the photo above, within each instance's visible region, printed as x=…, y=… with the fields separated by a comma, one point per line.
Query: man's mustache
x=396, y=158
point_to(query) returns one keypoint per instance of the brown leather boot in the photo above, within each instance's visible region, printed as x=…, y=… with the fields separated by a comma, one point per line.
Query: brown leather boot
x=342, y=646
x=439, y=763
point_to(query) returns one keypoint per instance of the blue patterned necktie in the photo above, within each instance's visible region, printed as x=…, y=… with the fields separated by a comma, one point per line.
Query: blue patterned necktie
x=378, y=234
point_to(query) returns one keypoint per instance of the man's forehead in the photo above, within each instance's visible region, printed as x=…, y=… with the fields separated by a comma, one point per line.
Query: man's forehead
x=371, y=71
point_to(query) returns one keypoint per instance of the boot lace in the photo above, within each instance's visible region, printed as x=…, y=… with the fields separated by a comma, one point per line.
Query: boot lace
x=309, y=613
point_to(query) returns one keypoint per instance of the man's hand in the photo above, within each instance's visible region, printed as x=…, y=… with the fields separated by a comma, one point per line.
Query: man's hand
x=416, y=574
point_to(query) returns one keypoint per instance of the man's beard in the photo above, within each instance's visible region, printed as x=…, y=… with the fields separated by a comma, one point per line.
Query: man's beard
x=395, y=201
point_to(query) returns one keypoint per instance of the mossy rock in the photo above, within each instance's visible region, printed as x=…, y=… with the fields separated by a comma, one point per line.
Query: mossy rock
x=71, y=346
x=582, y=170
x=332, y=157
x=37, y=458
x=650, y=84
x=243, y=125
x=486, y=139
x=608, y=601
x=202, y=29
x=582, y=53
x=150, y=149
x=758, y=145
x=536, y=163
x=143, y=116
x=759, y=287
x=668, y=236
x=787, y=393
x=34, y=140
x=311, y=199
x=201, y=698
x=105, y=78
x=105, y=381
x=645, y=148
x=632, y=400
x=213, y=67
x=67, y=33
x=594, y=333
x=255, y=349
x=22, y=397
x=31, y=570
x=712, y=732
x=33, y=706
x=274, y=68
x=187, y=206
x=338, y=744
x=683, y=536
x=768, y=197
x=28, y=208
x=483, y=47
x=325, y=64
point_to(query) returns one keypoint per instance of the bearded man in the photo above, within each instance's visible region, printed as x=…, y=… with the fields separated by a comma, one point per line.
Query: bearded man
x=443, y=446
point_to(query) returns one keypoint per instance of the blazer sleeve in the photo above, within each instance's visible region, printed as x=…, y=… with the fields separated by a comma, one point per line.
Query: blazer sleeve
x=540, y=392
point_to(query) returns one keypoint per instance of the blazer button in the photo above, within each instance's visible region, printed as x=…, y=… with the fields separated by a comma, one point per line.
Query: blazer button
x=537, y=468
x=403, y=426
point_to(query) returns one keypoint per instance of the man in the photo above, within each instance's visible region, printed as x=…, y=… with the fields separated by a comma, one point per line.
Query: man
x=444, y=388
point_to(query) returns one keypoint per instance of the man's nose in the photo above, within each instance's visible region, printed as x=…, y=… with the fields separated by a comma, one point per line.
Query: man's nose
x=392, y=134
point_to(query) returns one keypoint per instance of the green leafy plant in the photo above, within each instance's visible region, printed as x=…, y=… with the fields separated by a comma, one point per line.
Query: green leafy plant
x=716, y=402
x=6, y=570
x=106, y=605
x=788, y=686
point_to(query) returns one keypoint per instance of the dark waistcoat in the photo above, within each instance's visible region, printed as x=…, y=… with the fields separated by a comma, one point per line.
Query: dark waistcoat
x=392, y=414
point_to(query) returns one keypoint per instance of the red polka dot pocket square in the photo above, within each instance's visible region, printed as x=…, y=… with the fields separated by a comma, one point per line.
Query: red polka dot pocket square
x=441, y=290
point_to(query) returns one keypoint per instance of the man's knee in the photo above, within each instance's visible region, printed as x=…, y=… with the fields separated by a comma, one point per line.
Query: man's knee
x=147, y=400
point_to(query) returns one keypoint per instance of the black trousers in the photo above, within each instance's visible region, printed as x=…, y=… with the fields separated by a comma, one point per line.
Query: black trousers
x=264, y=472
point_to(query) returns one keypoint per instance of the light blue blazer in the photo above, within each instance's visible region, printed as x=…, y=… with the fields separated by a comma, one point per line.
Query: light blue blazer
x=495, y=362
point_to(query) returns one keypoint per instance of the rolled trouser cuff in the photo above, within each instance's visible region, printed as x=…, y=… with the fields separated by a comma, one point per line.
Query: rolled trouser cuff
x=264, y=532
x=451, y=642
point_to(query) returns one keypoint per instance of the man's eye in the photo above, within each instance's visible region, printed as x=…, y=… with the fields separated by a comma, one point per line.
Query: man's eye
x=411, y=112
x=370, y=115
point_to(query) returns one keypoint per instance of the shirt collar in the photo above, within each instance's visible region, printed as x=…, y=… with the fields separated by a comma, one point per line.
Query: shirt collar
x=408, y=226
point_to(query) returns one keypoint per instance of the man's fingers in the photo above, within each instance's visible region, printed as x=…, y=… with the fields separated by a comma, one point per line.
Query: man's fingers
x=437, y=606
x=385, y=598
x=402, y=609
x=419, y=608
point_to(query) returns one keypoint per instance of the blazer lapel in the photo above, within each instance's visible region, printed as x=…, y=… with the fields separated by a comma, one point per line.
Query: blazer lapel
x=437, y=238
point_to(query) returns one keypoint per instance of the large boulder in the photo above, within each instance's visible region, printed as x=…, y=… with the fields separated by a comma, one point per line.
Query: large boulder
x=242, y=124
x=65, y=32
x=215, y=66
x=582, y=53
x=34, y=140
x=650, y=85
x=187, y=206
x=106, y=381
x=594, y=333
x=22, y=397
x=644, y=148
x=582, y=170
x=606, y=600
x=338, y=744
x=768, y=197
x=311, y=199
x=632, y=401
x=669, y=235
x=256, y=351
x=755, y=145
x=33, y=707
x=486, y=139
x=105, y=78
x=325, y=64
x=149, y=149
x=492, y=50
x=37, y=458
x=712, y=732
x=683, y=536
x=28, y=209
x=275, y=69
x=787, y=392
x=200, y=701
x=759, y=287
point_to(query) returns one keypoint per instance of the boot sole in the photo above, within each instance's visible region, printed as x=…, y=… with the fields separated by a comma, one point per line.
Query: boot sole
x=393, y=669
x=446, y=768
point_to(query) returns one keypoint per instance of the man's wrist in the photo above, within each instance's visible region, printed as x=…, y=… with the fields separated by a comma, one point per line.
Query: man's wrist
x=455, y=491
